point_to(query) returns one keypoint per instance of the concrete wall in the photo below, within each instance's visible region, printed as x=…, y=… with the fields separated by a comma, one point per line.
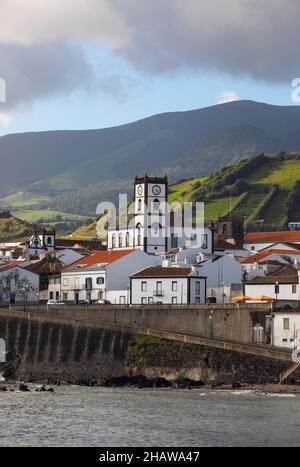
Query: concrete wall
x=43, y=351
x=221, y=321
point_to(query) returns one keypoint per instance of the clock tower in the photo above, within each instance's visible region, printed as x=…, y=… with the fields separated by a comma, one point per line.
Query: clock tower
x=151, y=196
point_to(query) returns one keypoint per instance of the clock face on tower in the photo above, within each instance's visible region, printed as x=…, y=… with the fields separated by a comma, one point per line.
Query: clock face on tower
x=140, y=190
x=156, y=190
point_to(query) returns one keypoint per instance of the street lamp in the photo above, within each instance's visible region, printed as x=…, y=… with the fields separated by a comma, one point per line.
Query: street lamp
x=276, y=292
x=24, y=298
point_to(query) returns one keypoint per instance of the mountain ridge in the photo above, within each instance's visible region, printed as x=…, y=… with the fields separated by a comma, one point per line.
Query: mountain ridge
x=65, y=164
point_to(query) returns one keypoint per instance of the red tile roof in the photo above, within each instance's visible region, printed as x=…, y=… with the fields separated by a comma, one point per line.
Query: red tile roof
x=11, y=265
x=163, y=272
x=99, y=257
x=261, y=255
x=272, y=237
x=223, y=245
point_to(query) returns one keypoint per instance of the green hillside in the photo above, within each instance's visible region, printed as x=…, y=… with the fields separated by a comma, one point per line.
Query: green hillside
x=265, y=190
x=11, y=227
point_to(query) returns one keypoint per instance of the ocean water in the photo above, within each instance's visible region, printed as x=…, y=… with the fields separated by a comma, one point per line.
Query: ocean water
x=76, y=416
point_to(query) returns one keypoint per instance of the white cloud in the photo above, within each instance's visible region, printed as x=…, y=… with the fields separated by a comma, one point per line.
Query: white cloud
x=227, y=96
x=31, y=21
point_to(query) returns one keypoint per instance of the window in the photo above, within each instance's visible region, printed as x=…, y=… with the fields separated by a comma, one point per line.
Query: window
x=156, y=205
x=139, y=236
x=144, y=301
x=150, y=300
x=277, y=289
x=286, y=324
x=113, y=241
x=49, y=241
x=144, y=286
x=198, y=288
x=120, y=241
x=253, y=248
x=197, y=301
x=139, y=205
x=56, y=295
x=158, y=288
x=225, y=229
x=174, y=241
x=122, y=300
x=88, y=283
x=51, y=295
x=174, y=301
x=100, y=280
x=174, y=286
x=66, y=282
x=294, y=288
x=204, y=241
x=65, y=297
x=76, y=281
x=194, y=239
x=127, y=241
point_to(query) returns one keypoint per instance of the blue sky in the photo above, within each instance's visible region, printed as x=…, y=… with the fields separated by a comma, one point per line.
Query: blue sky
x=104, y=63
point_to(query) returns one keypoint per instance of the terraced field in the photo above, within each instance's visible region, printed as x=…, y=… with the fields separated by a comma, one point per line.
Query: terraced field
x=249, y=205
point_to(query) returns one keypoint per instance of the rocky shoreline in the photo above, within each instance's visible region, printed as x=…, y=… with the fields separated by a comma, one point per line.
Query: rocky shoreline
x=140, y=382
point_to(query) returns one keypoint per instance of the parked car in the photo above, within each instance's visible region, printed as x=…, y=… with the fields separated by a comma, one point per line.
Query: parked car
x=55, y=303
x=103, y=302
x=85, y=302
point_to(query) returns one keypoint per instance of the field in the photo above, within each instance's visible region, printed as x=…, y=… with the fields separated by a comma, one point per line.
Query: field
x=182, y=191
x=283, y=173
x=220, y=207
x=30, y=215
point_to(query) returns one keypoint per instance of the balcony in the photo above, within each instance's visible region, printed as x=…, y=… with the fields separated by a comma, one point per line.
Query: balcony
x=158, y=293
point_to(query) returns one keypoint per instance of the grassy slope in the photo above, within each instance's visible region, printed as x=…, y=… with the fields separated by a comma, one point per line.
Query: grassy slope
x=13, y=228
x=34, y=215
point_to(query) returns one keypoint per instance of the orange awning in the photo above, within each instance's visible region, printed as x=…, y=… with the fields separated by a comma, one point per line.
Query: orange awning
x=241, y=298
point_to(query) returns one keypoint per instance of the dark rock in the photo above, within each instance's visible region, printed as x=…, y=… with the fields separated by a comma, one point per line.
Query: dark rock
x=24, y=388
x=236, y=385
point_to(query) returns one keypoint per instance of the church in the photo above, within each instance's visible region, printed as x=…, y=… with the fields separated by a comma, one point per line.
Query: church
x=153, y=229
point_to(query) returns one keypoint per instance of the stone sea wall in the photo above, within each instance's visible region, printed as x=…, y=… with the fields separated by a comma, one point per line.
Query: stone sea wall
x=45, y=351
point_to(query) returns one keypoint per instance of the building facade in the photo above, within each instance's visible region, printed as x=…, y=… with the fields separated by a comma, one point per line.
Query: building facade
x=100, y=276
x=167, y=286
x=286, y=329
x=18, y=286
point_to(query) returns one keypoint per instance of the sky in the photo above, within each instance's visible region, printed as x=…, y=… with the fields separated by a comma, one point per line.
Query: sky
x=78, y=64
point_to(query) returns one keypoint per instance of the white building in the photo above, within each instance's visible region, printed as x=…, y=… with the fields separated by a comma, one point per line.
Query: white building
x=168, y=286
x=286, y=329
x=153, y=229
x=18, y=286
x=282, y=285
x=224, y=277
x=184, y=257
x=41, y=241
x=101, y=275
x=257, y=241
